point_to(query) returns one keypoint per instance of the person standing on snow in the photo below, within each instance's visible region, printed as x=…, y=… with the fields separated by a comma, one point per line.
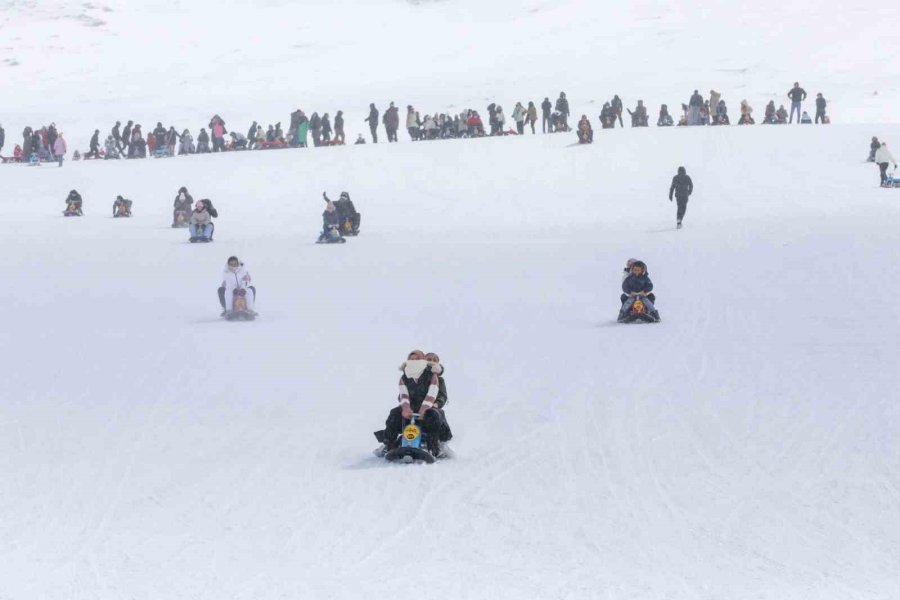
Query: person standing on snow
x=519, y=113
x=546, y=109
x=883, y=158
x=339, y=128
x=820, y=108
x=372, y=120
x=531, y=116
x=694, y=106
x=682, y=187
x=562, y=107
x=59, y=148
x=797, y=95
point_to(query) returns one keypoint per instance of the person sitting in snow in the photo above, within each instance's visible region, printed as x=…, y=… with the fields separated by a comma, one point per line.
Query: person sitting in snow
x=805, y=119
x=182, y=208
x=419, y=390
x=438, y=369
x=348, y=217
x=665, y=119
x=585, y=131
x=122, y=207
x=201, y=226
x=637, y=285
x=746, y=114
x=73, y=204
x=639, y=117
x=781, y=115
x=236, y=277
x=331, y=221
x=627, y=271
x=359, y=140
x=202, y=142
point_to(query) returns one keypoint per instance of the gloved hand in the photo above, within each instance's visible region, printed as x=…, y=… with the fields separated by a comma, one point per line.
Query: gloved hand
x=670, y=198
x=405, y=410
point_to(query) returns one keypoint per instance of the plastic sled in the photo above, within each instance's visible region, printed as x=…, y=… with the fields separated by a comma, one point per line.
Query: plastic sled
x=413, y=444
x=637, y=313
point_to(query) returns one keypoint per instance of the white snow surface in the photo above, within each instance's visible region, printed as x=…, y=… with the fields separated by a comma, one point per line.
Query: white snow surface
x=744, y=448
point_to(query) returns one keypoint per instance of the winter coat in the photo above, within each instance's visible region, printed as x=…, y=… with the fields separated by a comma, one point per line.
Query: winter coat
x=714, y=98
x=883, y=155
x=546, y=107
x=634, y=284
x=531, y=114
x=185, y=204
x=339, y=122
x=392, y=118
x=326, y=125
x=203, y=138
x=200, y=217
x=218, y=130
x=236, y=280
x=696, y=101
x=2, y=137
x=411, y=121
x=331, y=219
x=519, y=114
x=95, y=142
x=616, y=105
x=797, y=94
x=562, y=106
x=59, y=147
x=500, y=118
x=746, y=109
x=372, y=119
x=681, y=187
x=315, y=123
x=820, y=106
x=425, y=388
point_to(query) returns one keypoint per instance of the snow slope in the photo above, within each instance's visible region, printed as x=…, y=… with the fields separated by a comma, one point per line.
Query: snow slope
x=85, y=64
x=742, y=448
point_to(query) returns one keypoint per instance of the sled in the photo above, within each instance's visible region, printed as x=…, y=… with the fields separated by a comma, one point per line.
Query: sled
x=239, y=310
x=413, y=444
x=162, y=152
x=332, y=237
x=637, y=313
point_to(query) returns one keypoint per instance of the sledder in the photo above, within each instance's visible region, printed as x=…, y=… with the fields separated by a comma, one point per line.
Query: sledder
x=331, y=225
x=637, y=299
x=181, y=215
x=417, y=428
x=236, y=295
x=201, y=226
x=122, y=207
x=73, y=205
x=347, y=215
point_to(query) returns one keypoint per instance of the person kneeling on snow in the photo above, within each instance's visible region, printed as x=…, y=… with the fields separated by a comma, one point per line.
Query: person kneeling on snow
x=201, y=226
x=638, y=285
x=122, y=207
x=236, y=277
x=419, y=390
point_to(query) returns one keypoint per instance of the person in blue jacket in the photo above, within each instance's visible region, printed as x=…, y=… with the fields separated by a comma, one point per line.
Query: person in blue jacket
x=638, y=285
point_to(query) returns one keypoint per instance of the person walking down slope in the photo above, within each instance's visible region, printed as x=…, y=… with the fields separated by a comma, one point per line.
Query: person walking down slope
x=797, y=95
x=883, y=158
x=682, y=187
x=372, y=120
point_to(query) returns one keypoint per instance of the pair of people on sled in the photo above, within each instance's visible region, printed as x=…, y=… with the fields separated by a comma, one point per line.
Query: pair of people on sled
x=636, y=284
x=424, y=392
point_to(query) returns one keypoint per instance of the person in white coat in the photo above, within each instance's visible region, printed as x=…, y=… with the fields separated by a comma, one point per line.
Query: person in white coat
x=236, y=277
x=883, y=158
x=519, y=114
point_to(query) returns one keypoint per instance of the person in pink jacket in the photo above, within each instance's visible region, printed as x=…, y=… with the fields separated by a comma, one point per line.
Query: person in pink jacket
x=59, y=148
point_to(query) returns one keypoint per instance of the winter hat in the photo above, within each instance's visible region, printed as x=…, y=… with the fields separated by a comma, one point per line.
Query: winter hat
x=630, y=262
x=682, y=171
x=345, y=196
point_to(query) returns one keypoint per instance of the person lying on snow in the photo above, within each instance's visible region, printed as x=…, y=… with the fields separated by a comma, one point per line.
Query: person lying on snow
x=420, y=393
x=236, y=277
x=638, y=284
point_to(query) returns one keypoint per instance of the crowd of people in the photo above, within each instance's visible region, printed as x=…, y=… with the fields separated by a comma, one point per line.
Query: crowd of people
x=315, y=130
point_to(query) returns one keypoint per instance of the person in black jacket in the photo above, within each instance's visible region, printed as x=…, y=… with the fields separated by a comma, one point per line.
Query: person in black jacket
x=339, y=128
x=202, y=142
x=326, y=129
x=546, y=109
x=315, y=127
x=126, y=138
x=331, y=222
x=797, y=95
x=820, y=108
x=95, y=145
x=638, y=285
x=682, y=187
x=562, y=107
x=182, y=208
x=419, y=392
x=372, y=120
x=616, y=106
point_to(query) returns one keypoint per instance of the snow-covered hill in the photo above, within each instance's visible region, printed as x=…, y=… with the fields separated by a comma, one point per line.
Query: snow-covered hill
x=743, y=448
